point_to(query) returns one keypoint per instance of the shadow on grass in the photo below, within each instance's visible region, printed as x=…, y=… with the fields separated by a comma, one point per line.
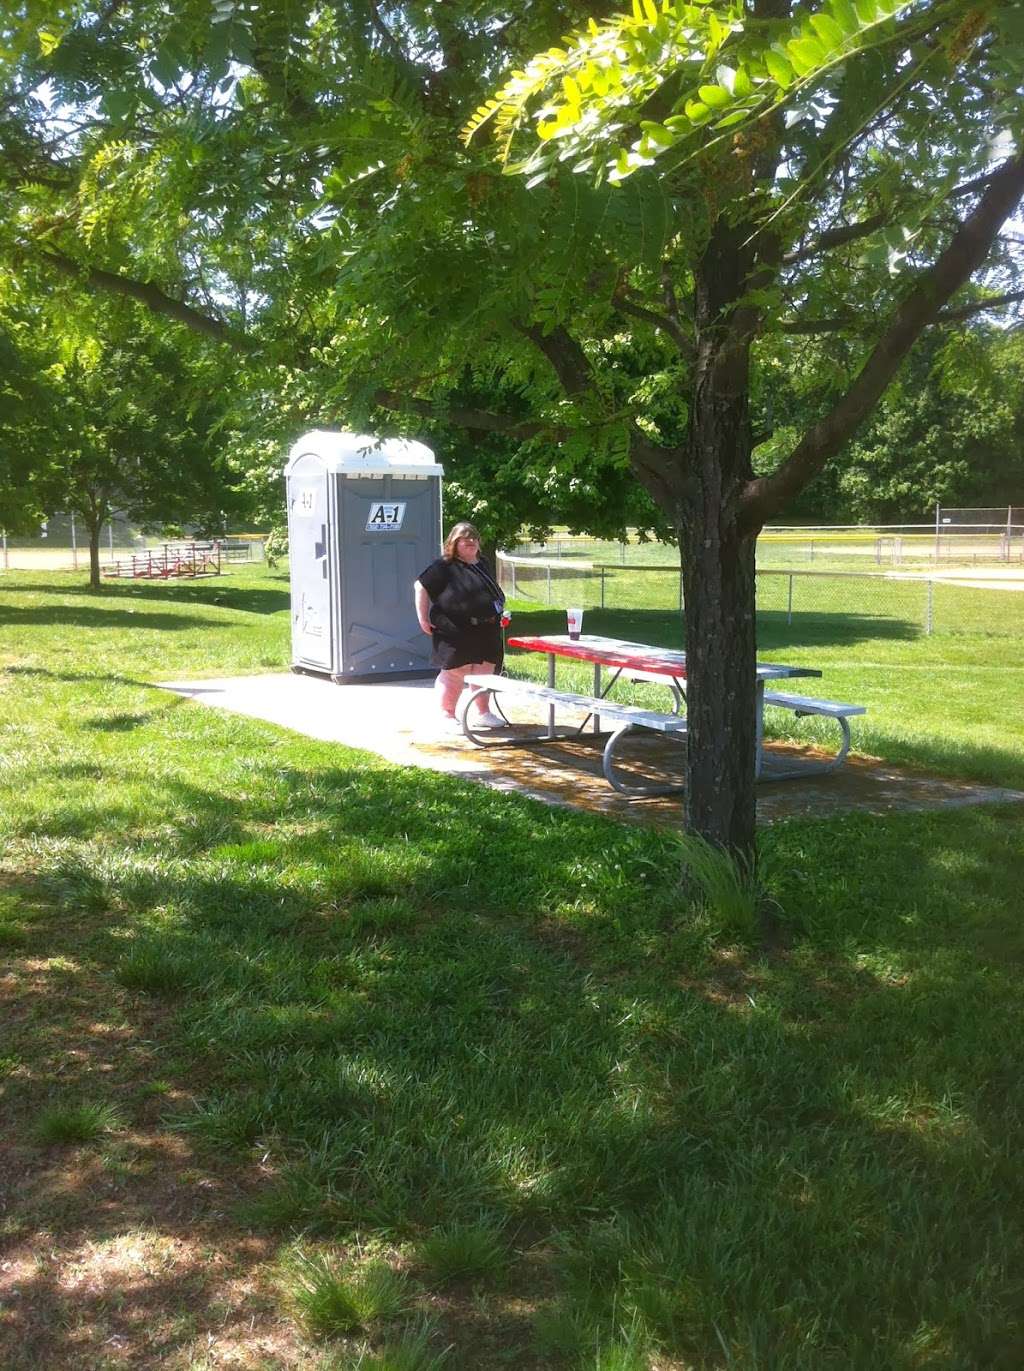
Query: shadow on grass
x=217, y=592
x=433, y=1005
x=87, y=617
x=113, y=678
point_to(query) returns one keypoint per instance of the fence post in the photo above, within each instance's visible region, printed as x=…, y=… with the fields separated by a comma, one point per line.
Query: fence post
x=811, y=558
x=789, y=602
x=549, y=584
x=929, y=614
x=512, y=568
x=622, y=554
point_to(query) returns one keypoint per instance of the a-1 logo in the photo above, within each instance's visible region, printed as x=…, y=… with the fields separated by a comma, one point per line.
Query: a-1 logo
x=385, y=516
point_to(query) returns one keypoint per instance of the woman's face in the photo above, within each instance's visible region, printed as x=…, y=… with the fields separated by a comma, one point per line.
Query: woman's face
x=467, y=549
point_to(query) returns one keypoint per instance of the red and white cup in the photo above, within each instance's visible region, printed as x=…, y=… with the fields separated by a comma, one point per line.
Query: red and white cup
x=574, y=617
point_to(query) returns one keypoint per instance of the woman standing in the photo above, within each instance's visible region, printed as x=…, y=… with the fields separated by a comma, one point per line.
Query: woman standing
x=460, y=604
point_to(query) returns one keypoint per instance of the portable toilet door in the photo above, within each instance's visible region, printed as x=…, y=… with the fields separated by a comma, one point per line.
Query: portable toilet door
x=390, y=530
x=310, y=520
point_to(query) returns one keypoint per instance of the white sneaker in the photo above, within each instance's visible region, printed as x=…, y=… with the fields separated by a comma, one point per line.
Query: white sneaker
x=487, y=720
x=451, y=727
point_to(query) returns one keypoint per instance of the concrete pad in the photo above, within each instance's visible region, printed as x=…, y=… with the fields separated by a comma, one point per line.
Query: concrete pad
x=399, y=721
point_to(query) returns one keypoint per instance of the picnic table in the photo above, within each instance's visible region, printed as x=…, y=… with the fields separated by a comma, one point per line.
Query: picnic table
x=665, y=666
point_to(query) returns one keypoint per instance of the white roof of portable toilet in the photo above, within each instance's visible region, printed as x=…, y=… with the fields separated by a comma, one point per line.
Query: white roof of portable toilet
x=355, y=454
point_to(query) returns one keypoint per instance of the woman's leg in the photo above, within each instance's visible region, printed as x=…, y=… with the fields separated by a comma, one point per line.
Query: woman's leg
x=448, y=688
x=482, y=704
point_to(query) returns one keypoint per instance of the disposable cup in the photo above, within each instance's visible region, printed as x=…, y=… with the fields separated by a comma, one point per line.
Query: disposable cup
x=575, y=620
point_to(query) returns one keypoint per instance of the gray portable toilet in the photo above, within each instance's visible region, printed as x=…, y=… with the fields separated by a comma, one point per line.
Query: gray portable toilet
x=364, y=519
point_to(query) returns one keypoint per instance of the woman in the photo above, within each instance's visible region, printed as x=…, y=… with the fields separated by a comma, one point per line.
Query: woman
x=460, y=604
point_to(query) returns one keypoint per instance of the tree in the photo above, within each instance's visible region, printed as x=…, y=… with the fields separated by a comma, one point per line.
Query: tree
x=707, y=181
x=948, y=429
x=120, y=425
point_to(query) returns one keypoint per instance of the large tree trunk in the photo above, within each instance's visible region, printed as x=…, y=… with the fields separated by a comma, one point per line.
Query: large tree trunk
x=721, y=654
x=718, y=557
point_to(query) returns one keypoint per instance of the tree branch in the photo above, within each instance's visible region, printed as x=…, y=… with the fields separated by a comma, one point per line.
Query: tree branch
x=664, y=322
x=149, y=295
x=952, y=316
x=964, y=254
x=850, y=233
x=851, y=323
x=567, y=358
x=835, y=238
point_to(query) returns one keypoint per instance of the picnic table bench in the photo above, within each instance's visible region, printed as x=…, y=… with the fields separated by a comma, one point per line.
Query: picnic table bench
x=627, y=718
x=806, y=706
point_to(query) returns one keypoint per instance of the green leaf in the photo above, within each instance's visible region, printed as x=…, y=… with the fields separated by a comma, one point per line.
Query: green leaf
x=806, y=55
x=845, y=17
x=714, y=96
x=779, y=68
x=658, y=133
x=828, y=31
x=697, y=112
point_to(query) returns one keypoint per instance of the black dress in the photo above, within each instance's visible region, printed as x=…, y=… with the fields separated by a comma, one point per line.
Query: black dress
x=465, y=611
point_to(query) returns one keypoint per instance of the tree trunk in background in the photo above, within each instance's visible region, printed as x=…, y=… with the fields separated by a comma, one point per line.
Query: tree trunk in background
x=95, y=528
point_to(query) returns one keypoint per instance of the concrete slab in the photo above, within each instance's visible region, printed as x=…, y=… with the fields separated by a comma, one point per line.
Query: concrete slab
x=398, y=721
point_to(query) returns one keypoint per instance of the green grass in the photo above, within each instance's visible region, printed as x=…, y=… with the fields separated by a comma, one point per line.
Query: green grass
x=331, y=1298
x=75, y=1123
x=462, y=1252
x=403, y=1006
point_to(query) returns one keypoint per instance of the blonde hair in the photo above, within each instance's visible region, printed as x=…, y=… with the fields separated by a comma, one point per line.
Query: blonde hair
x=461, y=530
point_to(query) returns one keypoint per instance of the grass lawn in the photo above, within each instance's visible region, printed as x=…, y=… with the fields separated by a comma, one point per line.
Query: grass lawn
x=308, y=1061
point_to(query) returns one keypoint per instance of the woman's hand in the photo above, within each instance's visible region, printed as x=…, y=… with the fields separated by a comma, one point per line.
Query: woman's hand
x=422, y=601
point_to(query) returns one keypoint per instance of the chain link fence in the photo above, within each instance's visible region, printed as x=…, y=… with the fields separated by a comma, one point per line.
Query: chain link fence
x=952, y=542
x=63, y=545
x=885, y=604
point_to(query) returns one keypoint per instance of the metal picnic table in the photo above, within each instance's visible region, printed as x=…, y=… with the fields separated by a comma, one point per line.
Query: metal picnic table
x=662, y=664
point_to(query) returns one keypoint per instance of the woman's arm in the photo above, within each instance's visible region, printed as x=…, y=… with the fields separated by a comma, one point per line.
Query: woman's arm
x=422, y=607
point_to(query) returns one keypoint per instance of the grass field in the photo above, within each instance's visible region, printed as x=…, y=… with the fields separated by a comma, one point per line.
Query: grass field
x=309, y=1061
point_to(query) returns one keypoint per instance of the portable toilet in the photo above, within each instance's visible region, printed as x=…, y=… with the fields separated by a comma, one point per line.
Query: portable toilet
x=364, y=519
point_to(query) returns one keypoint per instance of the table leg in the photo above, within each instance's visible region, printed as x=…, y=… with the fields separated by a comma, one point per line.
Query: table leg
x=759, y=730
x=597, y=694
x=551, y=683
